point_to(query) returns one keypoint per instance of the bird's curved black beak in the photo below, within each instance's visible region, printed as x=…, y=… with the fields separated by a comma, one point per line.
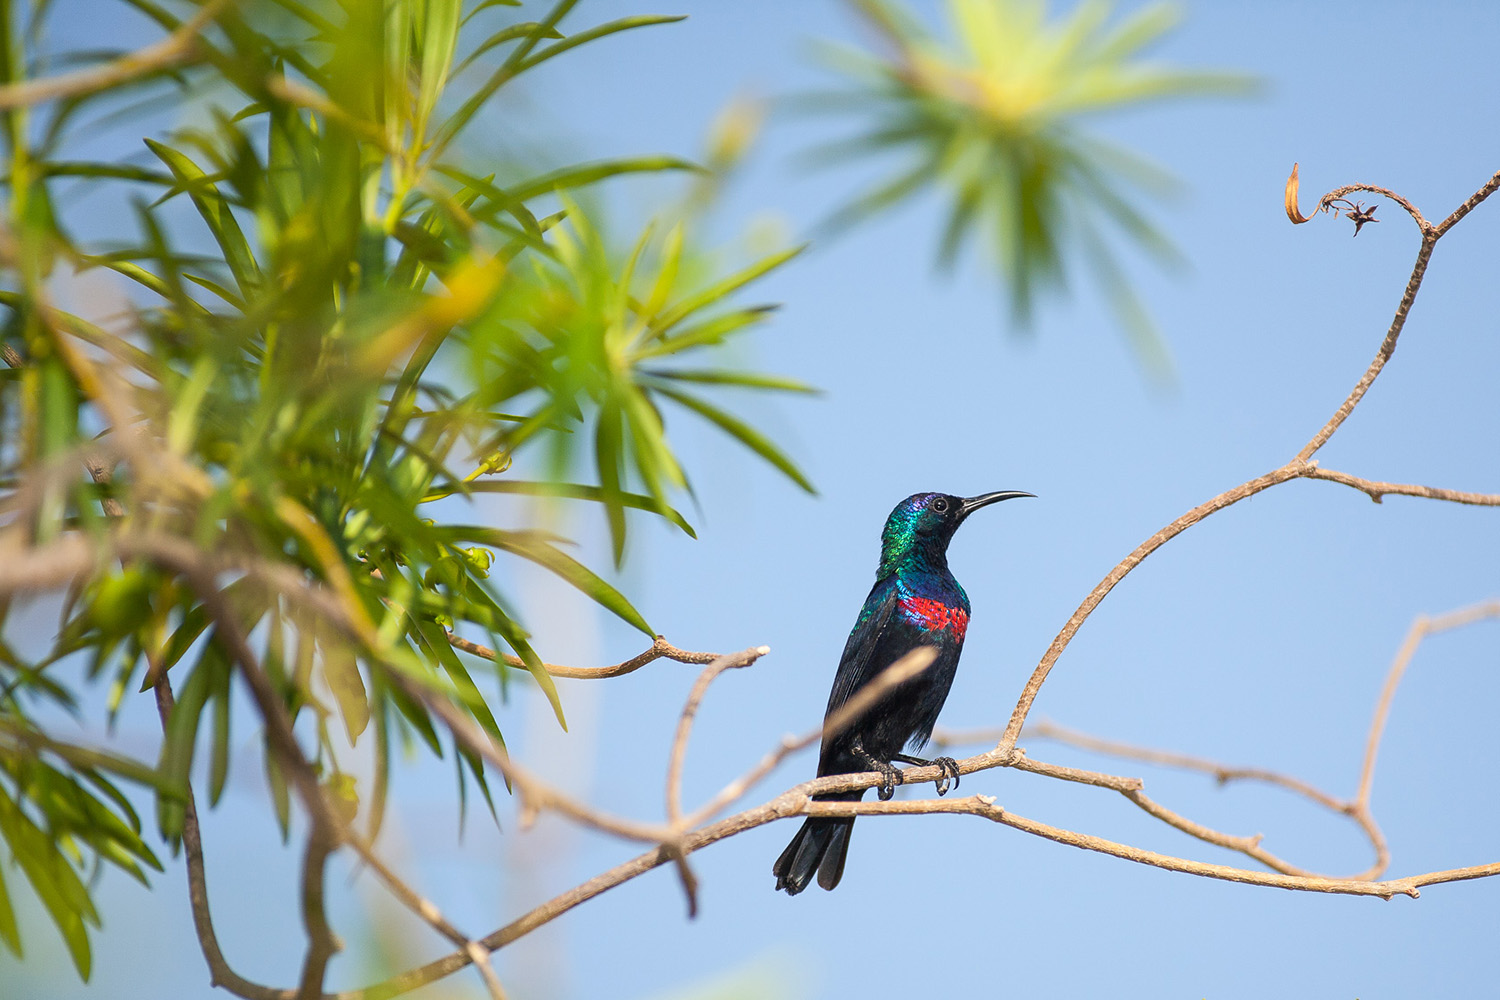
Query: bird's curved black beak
x=969, y=505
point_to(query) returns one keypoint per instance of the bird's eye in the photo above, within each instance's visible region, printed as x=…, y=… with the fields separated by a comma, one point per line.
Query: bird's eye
x=940, y=505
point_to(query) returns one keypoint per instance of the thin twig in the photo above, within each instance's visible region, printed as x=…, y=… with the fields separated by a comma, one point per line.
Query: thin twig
x=427, y=911
x=679, y=752
x=1387, y=348
x=1223, y=773
x=660, y=649
x=1420, y=629
x=743, y=658
x=1357, y=809
x=1326, y=202
x=181, y=46
x=219, y=971
x=1378, y=490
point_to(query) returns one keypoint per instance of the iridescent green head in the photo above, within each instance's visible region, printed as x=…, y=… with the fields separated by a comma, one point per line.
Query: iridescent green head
x=917, y=533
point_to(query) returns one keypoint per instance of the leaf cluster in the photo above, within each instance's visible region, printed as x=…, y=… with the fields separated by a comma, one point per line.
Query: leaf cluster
x=996, y=119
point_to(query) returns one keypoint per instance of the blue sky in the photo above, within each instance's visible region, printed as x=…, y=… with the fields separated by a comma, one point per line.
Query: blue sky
x=1260, y=637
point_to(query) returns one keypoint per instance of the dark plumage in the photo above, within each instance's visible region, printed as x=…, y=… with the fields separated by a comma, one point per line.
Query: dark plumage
x=915, y=602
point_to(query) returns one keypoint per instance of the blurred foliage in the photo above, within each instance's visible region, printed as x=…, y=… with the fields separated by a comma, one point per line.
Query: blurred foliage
x=341, y=329
x=996, y=119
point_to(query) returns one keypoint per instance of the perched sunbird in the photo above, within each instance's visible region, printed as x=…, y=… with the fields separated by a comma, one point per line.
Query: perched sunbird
x=915, y=602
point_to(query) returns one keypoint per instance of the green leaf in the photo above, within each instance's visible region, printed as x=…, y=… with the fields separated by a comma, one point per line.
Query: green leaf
x=571, y=491
x=341, y=671
x=666, y=273
x=281, y=800
x=585, y=174
x=218, y=759
x=439, y=39
x=609, y=457
x=416, y=716
x=502, y=624
x=510, y=34
x=730, y=376
x=380, y=782
x=216, y=213
x=52, y=878
x=721, y=289
x=181, y=737
x=487, y=4
x=111, y=171
x=508, y=70
x=506, y=200
x=714, y=330
x=602, y=31
x=999, y=117
x=436, y=640
x=139, y=275
x=10, y=932
x=218, y=289
x=740, y=431
x=528, y=546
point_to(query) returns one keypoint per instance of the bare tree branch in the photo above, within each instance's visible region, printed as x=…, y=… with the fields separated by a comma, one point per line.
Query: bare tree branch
x=1470, y=203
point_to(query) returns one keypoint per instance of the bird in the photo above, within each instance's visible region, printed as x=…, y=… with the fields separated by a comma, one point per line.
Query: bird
x=915, y=602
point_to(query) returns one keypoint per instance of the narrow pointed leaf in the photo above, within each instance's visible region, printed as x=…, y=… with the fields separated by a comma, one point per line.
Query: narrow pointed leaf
x=742, y=432
x=721, y=289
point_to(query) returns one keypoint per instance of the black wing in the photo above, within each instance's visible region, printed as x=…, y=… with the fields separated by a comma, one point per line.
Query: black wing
x=859, y=664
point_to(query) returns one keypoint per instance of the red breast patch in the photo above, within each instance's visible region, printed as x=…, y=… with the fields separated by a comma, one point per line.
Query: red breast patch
x=932, y=614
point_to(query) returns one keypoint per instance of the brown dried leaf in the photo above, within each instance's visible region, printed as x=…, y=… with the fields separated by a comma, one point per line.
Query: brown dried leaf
x=1292, y=211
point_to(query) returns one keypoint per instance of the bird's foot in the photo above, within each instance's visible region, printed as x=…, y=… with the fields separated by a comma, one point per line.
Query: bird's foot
x=950, y=769
x=948, y=765
x=890, y=775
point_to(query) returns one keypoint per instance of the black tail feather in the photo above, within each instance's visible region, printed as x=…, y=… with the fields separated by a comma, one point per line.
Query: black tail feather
x=820, y=846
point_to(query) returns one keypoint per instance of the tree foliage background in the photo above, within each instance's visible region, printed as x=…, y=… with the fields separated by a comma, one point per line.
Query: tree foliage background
x=345, y=326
